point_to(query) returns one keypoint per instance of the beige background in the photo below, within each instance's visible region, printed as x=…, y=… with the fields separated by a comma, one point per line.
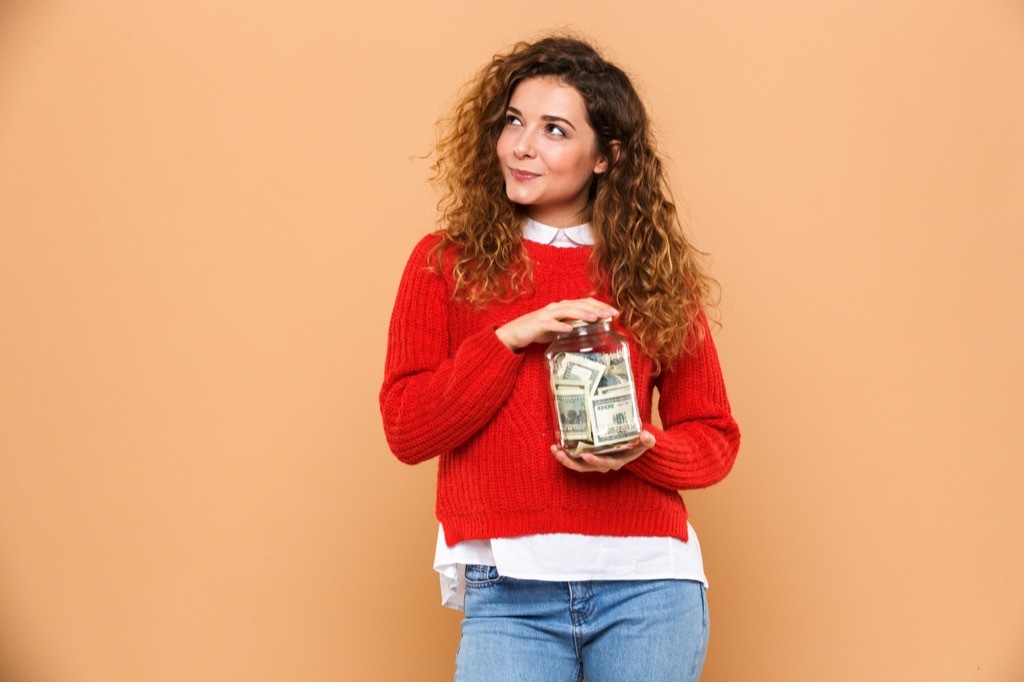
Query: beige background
x=204, y=211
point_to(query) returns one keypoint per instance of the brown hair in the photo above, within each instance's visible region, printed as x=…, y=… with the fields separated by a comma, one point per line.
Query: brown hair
x=640, y=253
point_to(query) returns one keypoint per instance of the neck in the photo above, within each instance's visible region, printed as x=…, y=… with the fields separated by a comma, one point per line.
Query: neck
x=560, y=220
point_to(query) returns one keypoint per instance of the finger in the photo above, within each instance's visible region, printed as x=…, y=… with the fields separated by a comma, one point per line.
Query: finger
x=577, y=463
x=585, y=308
x=604, y=309
x=610, y=463
x=591, y=302
x=566, y=460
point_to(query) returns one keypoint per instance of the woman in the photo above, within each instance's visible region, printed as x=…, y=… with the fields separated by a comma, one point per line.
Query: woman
x=555, y=209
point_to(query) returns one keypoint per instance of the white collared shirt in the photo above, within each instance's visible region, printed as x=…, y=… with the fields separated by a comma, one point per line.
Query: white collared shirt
x=565, y=237
x=565, y=556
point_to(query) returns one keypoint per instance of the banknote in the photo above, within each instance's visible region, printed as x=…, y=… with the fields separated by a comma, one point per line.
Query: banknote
x=574, y=367
x=613, y=416
x=612, y=379
x=595, y=401
x=571, y=405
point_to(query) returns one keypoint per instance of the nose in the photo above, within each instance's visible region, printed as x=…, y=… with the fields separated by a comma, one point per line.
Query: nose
x=523, y=147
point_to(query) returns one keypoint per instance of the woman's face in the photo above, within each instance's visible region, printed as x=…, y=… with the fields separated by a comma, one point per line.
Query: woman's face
x=548, y=152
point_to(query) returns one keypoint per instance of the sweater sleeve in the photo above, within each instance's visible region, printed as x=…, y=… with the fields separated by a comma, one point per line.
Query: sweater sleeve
x=700, y=439
x=433, y=400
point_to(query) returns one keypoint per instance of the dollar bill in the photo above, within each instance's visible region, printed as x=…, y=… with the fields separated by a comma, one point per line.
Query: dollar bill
x=615, y=370
x=580, y=448
x=616, y=363
x=594, y=357
x=574, y=367
x=613, y=379
x=594, y=401
x=571, y=400
x=613, y=416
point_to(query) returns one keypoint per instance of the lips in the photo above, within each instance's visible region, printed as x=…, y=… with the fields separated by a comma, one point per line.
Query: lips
x=521, y=175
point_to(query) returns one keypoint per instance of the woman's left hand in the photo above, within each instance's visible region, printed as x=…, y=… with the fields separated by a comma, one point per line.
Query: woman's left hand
x=588, y=462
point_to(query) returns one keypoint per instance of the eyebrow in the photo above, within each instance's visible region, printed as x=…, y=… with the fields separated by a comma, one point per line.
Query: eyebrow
x=548, y=118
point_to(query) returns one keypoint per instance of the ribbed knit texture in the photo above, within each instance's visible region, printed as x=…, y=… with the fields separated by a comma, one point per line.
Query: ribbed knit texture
x=453, y=390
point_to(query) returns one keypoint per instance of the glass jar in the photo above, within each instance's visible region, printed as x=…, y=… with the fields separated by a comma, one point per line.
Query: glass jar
x=593, y=398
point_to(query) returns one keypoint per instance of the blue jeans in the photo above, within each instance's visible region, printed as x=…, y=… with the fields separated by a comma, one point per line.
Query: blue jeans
x=604, y=630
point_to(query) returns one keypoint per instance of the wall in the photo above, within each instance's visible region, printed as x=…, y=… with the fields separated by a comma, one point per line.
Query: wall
x=204, y=211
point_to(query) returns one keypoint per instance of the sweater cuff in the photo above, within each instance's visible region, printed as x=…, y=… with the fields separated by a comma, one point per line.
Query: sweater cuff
x=696, y=458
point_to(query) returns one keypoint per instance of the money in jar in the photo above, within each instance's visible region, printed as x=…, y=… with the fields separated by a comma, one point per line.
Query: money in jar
x=593, y=398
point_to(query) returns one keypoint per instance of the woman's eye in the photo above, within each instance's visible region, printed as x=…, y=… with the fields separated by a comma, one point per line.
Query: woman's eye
x=555, y=130
x=511, y=120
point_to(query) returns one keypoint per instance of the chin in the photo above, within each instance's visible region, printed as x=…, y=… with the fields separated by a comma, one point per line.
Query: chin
x=518, y=199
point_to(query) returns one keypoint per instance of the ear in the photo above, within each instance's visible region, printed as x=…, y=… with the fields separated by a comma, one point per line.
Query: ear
x=602, y=161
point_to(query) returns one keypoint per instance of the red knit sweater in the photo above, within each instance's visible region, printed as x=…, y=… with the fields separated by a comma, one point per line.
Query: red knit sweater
x=453, y=390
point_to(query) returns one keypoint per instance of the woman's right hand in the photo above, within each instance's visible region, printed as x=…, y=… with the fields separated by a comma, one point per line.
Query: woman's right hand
x=543, y=324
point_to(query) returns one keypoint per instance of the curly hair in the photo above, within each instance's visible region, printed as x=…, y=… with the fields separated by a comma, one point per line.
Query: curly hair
x=640, y=255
